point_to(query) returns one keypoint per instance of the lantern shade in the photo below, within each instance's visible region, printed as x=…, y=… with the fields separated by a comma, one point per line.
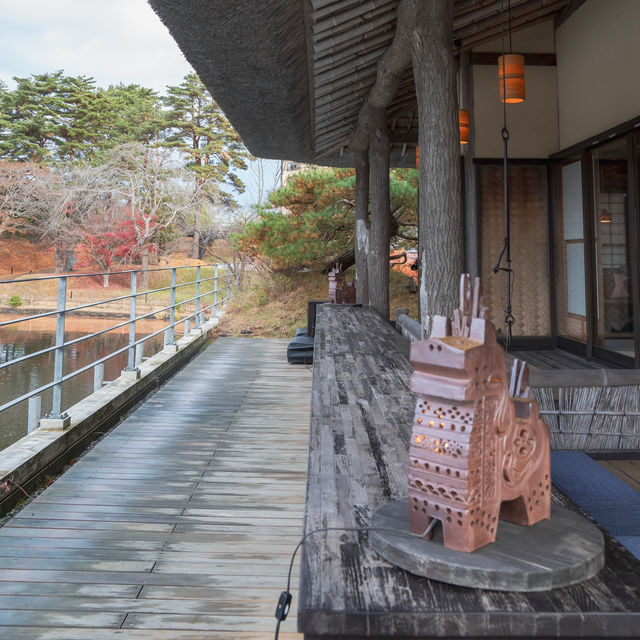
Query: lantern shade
x=463, y=123
x=417, y=157
x=511, y=77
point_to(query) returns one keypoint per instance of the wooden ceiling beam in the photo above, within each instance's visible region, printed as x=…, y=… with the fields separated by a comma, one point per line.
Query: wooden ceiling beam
x=363, y=30
x=489, y=35
x=323, y=10
x=359, y=75
x=347, y=68
x=351, y=17
x=530, y=59
x=495, y=24
x=485, y=10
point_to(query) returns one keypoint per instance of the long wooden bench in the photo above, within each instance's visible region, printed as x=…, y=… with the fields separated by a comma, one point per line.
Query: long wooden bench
x=360, y=424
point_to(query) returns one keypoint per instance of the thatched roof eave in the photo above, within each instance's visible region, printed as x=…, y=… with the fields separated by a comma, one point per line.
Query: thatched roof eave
x=252, y=57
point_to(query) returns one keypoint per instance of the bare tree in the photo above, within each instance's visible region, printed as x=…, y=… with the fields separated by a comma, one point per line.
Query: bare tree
x=14, y=178
x=154, y=191
x=265, y=176
x=53, y=203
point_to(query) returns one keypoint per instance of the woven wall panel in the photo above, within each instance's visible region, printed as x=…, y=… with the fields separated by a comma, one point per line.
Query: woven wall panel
x=529, y=247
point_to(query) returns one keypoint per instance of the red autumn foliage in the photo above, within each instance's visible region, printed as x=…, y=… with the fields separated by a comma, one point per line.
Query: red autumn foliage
x=105, y=248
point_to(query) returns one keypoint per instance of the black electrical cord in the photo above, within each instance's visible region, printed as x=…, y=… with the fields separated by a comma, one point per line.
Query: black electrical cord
x=284, y=602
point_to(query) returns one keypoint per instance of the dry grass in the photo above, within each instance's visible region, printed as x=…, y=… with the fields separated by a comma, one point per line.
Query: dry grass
x=23, y=256
x=274, y=306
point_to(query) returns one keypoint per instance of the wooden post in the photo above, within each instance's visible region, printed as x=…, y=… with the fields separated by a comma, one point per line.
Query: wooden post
x=441, y=240
x=362, y=227
x=379, y=236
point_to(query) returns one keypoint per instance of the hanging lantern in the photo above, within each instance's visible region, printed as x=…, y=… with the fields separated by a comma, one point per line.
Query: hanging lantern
x=417, y=157
x=463, y=123
x=511, y=76
x=606, y=217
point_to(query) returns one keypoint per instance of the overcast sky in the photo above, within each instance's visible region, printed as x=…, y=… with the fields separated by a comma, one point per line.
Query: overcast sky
x=112, y=41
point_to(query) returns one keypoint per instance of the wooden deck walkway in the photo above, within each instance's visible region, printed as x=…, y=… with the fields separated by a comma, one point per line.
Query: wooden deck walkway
x=181, y=522
x=627, y=470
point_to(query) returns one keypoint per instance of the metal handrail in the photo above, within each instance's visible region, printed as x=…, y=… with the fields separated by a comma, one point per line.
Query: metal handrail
x=99, y=303
x=169, y=331
x=93, y=274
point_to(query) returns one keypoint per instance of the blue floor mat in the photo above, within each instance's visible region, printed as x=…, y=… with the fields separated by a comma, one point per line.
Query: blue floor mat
x=606, y=498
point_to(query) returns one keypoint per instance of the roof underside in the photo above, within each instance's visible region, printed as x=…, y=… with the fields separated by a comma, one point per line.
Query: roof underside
x=292, y=75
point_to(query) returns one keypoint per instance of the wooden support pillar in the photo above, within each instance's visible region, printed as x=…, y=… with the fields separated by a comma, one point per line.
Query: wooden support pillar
x=380, y=232
x=441, y=239
x=362, y=227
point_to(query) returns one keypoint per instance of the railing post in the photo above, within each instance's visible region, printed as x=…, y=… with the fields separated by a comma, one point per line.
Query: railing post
x=57, y=420
x=33, y=416
x=59, y=357
x=187, y=327
x=139, y=354
x=214, y=313
x=197, y=316
x=228, y=282
x=132, y=372
x=171, y=342
x=98, y=377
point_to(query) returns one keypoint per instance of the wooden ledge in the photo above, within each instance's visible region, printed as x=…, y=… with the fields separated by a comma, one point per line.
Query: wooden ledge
x=361, y=416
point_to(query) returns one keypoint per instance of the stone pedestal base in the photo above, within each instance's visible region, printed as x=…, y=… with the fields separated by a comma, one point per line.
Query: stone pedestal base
x=55, y=424
x=130, y=375
x=563, y=550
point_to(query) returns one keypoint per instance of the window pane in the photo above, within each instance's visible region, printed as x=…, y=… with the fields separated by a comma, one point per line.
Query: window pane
x=570, y=252
x=614, y=306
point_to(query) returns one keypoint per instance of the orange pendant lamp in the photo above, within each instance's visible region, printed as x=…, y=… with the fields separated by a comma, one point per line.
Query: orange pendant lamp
x=511, y=76
x=463, y=125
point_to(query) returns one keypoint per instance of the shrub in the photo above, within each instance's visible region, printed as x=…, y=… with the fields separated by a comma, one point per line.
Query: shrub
x=15, y=301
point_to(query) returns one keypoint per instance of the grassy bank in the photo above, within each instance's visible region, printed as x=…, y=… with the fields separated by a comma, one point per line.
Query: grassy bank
x=274, y=305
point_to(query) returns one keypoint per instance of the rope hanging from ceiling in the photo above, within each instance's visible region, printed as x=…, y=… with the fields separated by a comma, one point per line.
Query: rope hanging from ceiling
x=509, y=319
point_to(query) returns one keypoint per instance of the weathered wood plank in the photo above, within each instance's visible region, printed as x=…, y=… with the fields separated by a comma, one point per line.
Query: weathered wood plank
x=627, y=470
x=68, y=633
x=226, y=605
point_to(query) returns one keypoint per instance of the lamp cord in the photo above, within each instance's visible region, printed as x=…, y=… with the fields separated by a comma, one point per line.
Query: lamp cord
x=284, y=602
x=509, y=319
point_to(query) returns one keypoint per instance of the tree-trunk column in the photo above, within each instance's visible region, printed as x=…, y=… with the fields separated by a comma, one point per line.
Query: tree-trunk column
x=379, y=234
x=362, y=227
x=441, y=239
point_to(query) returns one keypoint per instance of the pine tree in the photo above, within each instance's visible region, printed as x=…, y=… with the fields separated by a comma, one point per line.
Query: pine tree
x=309, y=222
x=30, y=111
x=81, y=120
x=50, y=117
x=134, y=113
x=198, y=128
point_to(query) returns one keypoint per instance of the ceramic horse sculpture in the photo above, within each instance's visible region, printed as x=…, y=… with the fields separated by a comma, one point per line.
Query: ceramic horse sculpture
x=477, y=454
x=340, y=291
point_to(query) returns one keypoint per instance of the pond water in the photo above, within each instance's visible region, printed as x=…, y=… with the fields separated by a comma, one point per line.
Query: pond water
x=33, y=335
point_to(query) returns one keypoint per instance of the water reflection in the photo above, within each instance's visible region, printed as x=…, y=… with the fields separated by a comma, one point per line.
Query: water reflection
x=34, y=335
